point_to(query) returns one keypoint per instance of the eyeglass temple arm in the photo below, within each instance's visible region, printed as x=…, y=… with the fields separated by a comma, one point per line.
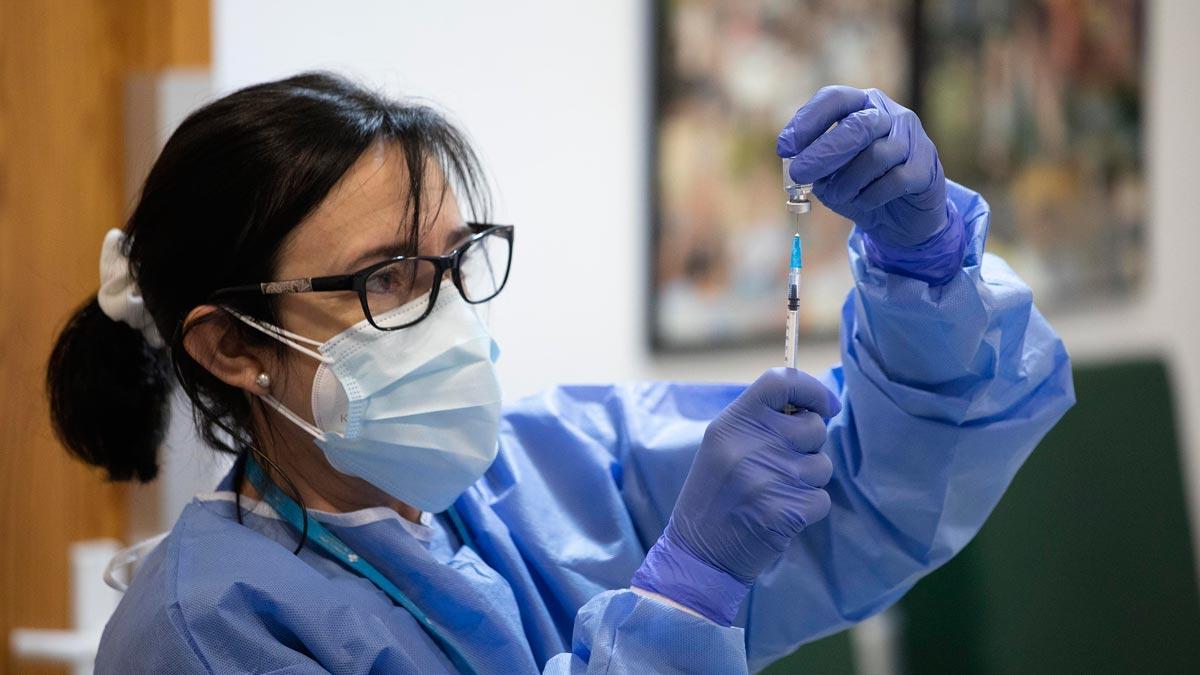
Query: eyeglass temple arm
x=340, y=282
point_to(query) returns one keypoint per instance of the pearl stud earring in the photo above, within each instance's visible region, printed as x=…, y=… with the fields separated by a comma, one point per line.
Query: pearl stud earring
x=263, y=380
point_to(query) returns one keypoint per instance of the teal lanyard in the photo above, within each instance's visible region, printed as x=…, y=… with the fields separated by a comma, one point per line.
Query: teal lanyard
x=289, y=510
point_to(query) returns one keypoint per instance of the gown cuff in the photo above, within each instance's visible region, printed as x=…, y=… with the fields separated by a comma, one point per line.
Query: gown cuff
x=935, y=261
x=672, y=572
x=667, y=601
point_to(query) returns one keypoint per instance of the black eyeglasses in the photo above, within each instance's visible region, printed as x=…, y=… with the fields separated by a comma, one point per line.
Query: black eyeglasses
x=479, y=268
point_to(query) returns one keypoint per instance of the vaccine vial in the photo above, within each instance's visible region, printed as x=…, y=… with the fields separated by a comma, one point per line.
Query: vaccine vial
x=797, y=194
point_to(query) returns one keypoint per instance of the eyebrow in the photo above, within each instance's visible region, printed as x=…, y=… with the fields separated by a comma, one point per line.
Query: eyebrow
x=378, y=253
x=395, y=250
x=457, y=236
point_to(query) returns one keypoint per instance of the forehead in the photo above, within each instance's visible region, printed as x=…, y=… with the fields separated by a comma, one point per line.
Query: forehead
x=367, y=209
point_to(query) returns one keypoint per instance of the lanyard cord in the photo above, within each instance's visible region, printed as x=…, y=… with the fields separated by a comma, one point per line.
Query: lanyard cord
x=289, y=510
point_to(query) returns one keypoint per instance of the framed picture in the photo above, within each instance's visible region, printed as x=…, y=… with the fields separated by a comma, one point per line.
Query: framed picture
x=1037, y=105
x=728, y=76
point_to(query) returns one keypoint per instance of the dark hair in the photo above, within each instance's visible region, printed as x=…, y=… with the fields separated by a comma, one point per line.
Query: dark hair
x=232, y=182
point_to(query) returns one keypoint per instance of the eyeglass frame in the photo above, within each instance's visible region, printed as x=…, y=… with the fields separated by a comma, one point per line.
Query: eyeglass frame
x=356, y=281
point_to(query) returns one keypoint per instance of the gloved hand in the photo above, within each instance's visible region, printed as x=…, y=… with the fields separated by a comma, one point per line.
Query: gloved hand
x=878, y=168
x=754, y=485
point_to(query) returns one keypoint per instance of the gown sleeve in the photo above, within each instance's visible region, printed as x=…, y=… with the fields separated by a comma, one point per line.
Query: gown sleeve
x=945, y=390
x=624, y=632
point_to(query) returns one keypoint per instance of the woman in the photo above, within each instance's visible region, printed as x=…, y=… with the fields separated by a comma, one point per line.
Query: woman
x=305, y=261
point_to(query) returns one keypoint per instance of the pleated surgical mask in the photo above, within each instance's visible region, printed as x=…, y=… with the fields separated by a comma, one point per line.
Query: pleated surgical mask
x=415, y=412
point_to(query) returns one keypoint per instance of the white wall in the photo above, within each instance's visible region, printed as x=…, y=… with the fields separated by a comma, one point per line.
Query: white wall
x=555, y=96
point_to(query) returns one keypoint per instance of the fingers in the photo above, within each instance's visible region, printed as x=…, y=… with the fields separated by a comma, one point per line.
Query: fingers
x=780, y=387
x=803, y=508
x=877, y=159
x=839, y=145
x=814, y=506
x=829, y=105
x=793, y=470
x=880, y=100
x=877, y=153
x=916, y=174
x=912, y=177
x=804, y=431
x=813, y=470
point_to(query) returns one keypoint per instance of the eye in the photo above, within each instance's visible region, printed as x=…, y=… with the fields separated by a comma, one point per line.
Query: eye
x=390, y=280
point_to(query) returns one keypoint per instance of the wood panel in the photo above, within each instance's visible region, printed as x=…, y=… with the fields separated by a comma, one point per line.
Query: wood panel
x=62, y=64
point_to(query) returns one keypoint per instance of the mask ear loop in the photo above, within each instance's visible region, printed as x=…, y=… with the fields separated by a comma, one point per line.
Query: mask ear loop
x=287, y=337
x=299, y=421
x=296, y=342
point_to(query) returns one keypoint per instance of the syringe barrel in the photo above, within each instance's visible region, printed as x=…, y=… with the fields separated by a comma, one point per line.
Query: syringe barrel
x=791, y=338
x=793, y=283
x=792, y=330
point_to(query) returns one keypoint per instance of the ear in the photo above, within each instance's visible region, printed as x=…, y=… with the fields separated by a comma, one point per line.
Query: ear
x=211, y=341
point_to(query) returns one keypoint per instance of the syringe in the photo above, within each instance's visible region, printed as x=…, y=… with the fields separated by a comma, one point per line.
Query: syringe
x=792, y=333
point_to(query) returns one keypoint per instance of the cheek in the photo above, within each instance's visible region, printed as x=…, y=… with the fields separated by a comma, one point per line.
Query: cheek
x=320, y=316
x=295, y=390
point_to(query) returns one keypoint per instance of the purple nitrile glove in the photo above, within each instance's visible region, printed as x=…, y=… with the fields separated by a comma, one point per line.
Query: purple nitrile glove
x=878, y=168
x=755, y=484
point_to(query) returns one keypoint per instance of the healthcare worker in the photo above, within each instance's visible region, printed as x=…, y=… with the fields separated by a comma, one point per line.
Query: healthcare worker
x=307, y=260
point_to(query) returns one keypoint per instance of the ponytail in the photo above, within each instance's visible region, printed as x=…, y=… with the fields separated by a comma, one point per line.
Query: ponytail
x=108, y=391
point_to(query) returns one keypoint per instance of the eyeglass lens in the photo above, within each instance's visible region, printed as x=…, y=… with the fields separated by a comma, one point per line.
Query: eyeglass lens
x=483, y=267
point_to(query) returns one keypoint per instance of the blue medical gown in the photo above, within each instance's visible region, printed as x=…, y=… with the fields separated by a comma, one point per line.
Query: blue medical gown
x=945, y=392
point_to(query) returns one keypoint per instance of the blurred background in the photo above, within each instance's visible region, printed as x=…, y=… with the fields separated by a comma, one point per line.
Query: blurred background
x=632, y=143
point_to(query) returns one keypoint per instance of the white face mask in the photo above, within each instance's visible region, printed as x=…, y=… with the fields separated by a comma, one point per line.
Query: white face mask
x=416, y=411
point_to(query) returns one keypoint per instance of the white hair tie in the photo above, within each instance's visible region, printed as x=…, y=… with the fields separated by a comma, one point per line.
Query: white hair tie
x=119, y=297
